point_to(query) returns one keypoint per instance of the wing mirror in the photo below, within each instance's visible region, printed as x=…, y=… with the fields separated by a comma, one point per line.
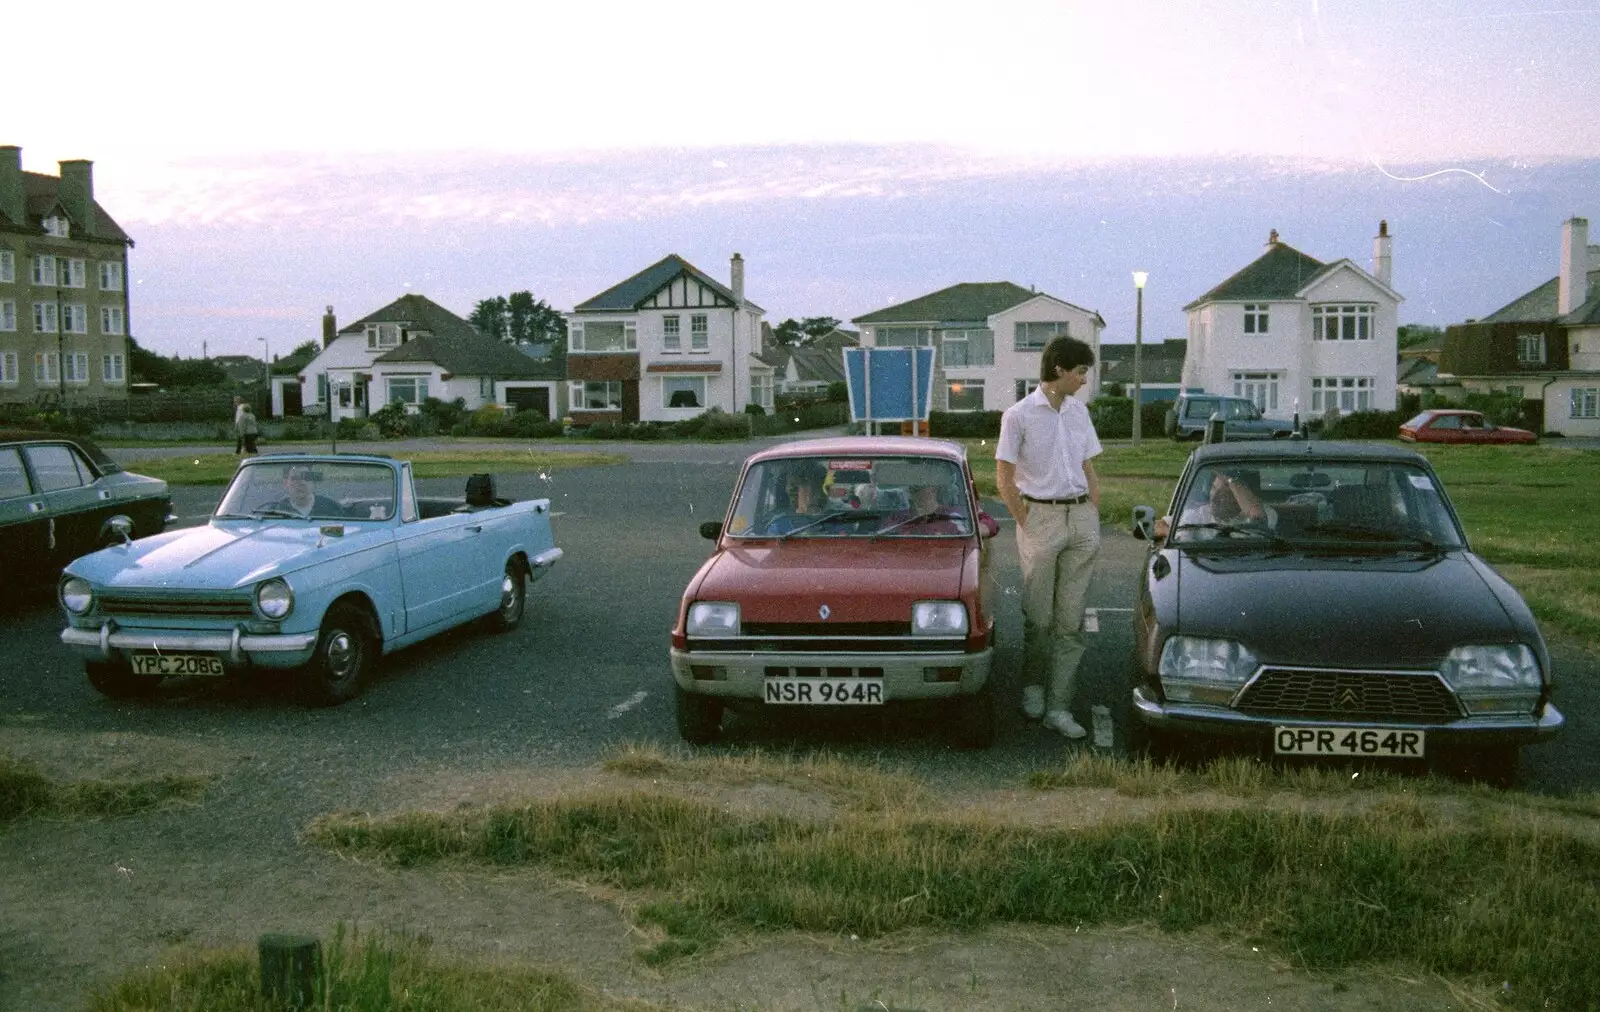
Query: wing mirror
x=117, y=527
x=711, y=530
x=1144, y=523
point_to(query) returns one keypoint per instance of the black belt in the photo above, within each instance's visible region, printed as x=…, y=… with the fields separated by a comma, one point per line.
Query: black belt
x=1075, y=501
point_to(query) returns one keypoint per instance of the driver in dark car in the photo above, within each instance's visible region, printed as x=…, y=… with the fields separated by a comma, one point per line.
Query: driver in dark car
x=1233, y=498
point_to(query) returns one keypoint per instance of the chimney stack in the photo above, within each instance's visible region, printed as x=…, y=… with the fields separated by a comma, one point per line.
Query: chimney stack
x=330, y=327
x=1572, y=290
x=76, y=194
x=736, y=277
x=1383, y=255
x=1272, y=238
x=13, y=197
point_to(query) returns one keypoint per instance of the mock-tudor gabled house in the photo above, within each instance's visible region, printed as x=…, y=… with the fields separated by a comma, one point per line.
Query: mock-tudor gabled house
x=986, y=338
x=413, y=349
x=1297, y=335
x=1543, y=346
x=666, y=345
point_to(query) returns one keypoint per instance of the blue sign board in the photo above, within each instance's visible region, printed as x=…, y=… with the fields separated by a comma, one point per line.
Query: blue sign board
x=880, y=381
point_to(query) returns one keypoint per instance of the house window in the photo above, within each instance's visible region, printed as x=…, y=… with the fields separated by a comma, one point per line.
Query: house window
x=8, y=314
x=57, y=226
x=683, y=391
x=322, y=388
x=1347, y=393
x=113, y=368
x=46, y=367
x=8, y=368
x=1586, y=402
x=1034, y=336
x=965, y=348
x=383, y=335
x=485, y=387
x=1341, y=323
x=671, y=335
x=110, y=276
x=1260, y=387
x=408, y=389
x=8, y=266
x=699, y=334
x=44, y=271
x=761, y=389
x=615, y=335
x=904, y=337
x=44, y=317
x=73, y=274
x=1025, y=387
x=597, y=395
x=1530, y=349
x=964, y=395
x=75, y=318
x=77, y=364
x=110, y=319
x=1255, y=318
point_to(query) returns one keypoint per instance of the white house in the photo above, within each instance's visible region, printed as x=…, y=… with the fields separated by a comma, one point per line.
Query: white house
x=666, y=345
x=1295, y=334
x=986, y=338
x=413, y=349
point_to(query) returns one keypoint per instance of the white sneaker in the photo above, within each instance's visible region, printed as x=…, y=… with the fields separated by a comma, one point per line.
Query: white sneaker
x=1033, y=701
x=1062, y=721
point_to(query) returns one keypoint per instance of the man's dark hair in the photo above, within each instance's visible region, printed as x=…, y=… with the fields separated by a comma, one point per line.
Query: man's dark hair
x=1064, y=352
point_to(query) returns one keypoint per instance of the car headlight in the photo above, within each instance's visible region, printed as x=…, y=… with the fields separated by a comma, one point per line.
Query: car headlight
x=938, y=618
x=76, y=595
x=713, y=618
x=274, y=599
x=1204, y=670
x=1494, y=679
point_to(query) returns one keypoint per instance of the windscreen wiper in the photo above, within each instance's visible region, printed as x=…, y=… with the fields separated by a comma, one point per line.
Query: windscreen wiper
x=842, y=516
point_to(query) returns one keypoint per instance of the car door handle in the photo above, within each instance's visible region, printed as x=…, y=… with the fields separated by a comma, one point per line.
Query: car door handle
x=35, y=507
x=476, y=528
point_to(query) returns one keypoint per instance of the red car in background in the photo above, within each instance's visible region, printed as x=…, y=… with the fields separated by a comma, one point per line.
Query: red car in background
x=1452, y=425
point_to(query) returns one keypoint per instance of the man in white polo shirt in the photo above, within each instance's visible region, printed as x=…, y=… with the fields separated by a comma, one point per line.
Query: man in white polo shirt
x=1045, y=473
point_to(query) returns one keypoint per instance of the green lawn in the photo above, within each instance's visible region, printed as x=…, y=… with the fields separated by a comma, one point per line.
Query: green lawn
x=1520, y=505
x=218, y=468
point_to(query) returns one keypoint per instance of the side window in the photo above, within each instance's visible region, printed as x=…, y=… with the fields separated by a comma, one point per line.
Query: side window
x=408, y=496
x=1447, y=422
x=55, y=467
x=1241, y=410
x=13, y=479
x=1201, y=408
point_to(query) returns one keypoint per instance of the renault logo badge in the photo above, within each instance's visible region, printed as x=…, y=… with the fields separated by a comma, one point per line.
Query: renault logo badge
x=1349, y=699
x=823, y=612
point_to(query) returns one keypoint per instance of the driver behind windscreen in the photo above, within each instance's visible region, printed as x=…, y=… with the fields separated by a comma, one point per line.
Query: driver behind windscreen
x=1233, y=497
x=806, y=497
x=301, y=496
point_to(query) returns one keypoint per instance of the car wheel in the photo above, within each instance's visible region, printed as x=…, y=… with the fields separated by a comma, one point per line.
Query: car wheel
x=699, y=717
x=1145, y=742
x=117, y=680
x=974, y=718
x=344, y=654
x=1497, y=766
x=513, y=597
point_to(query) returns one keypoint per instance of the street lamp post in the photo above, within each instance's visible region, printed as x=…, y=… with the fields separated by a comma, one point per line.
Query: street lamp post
x=266, y=372
x=1139, y=278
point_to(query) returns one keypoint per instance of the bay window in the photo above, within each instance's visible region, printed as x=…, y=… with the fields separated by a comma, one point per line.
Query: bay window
x=683, y=391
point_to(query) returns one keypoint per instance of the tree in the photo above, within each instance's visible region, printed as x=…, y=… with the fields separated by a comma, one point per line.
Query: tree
x=793, y=333
x=519, y=318
x=1416, y=333
x=146, y=366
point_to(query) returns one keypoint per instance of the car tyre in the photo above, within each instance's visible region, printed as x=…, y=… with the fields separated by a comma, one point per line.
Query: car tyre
x=1145, y=742
x=116, y=680
x=344, y=654
x=513, y=598
x=699, y=717
x=975, y=718
x=1496, y=765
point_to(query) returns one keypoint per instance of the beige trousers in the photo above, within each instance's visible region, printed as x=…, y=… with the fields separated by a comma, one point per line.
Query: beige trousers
x=1057, y=548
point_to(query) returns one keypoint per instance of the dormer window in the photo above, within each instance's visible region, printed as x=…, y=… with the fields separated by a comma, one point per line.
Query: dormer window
x=383, y=335
x=57, y=226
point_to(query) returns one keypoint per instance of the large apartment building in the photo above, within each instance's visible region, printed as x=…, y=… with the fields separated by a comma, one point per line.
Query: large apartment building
x=63, y=288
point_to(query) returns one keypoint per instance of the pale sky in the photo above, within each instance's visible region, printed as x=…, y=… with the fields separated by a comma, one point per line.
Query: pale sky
x=207, y=115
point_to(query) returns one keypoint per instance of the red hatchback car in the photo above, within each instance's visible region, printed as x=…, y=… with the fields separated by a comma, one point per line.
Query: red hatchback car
x=1452, y=425
x=848, y=572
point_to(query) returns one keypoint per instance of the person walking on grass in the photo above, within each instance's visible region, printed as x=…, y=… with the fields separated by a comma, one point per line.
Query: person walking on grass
x=1045, y=473
x=238, y=432
x=249, y=430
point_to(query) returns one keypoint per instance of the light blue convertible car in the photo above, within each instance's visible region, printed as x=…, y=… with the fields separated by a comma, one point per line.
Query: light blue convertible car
x=315, y=564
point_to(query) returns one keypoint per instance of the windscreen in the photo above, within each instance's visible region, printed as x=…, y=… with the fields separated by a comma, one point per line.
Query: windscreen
x=853, y=496
x=310, y=490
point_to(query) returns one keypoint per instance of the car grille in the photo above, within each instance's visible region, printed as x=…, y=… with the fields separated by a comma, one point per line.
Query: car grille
x=175, y=605
x=829, y=638
x=774, y=672
x=1350, y=695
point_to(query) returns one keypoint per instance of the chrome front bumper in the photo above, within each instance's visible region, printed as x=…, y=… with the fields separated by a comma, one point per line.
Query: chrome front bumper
x=1189, y=718
x=905, y=675
x=235, y=645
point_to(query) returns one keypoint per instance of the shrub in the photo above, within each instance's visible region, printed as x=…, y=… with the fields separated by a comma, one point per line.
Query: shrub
x=755, y=409
x=715, y=425
x=1364, y=425
x=963, y=424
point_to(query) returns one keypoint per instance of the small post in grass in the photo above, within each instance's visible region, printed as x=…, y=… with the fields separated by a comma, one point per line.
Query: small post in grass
x=290, y=966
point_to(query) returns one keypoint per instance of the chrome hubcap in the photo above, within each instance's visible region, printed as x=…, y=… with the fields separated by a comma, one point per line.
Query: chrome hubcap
x=343, y=654
x=508, y=594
